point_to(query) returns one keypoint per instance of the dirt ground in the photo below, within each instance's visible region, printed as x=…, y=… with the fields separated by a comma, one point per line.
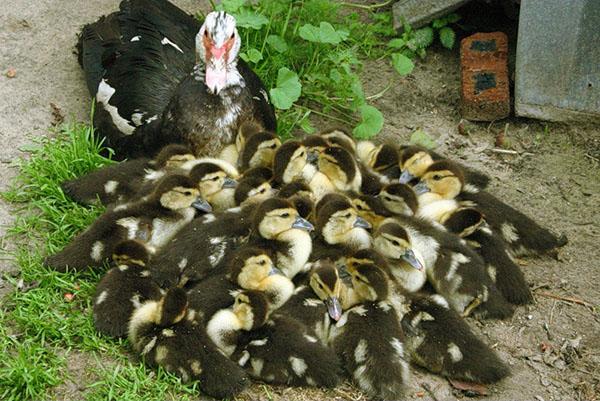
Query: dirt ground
x=552, y=346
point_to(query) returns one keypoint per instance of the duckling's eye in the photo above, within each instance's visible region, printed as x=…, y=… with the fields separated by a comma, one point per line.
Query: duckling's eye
x=285, y=215
x=437, y=177
x=359, y=207
x=187, y=193
x=215, y=178
x=387, y=198
x=262, y=191
x=346, y=216
x=396, y=243
x=302, y=154
x=273, y=146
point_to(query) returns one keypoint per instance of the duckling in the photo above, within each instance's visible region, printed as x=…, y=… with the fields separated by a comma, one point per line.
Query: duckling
x=522, y=235
x=371, y=208
x=383, y=159
x=439, y=340
x=291, y=162
x=253, y=269
x=337, y=171
x=296, y=187
x=369, y=339
x=399, y=199
x=254, y=187
x=315, y=144
x=154, y=221
x=231, y=153
x=340, y=230
x=470, y=224
x=120, y=182
x=123, y=289
x=406, y=264
x=250, y=311
x=340, y=137
x=414, y=160
x=279, y=228
x=301, y=196
x=216, y=186
x=165, y=335
x=282, y=352
x=453, y=269
x=437, y=190
x=259, y=150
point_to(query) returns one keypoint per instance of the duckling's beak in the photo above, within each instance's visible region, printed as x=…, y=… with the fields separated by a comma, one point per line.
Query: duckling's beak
x=412, y=260
x=334, y=308
x=361, y=223
x=421, y=188
x=312, y=157
x=202, y=205
x=275, y=271
x=302, y=224
x=406, y=177
x=229, y=183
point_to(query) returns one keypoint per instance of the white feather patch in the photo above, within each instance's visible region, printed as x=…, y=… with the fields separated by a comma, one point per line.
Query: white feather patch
x=509, y=232
x=360, y=353
x=298, y=365
x=111, y=186
x=97, y=249
x=102, y=297
x=166, y=41
x=454, y=352
x=105, y=92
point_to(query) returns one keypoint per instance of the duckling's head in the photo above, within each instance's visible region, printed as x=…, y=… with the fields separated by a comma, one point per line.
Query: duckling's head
x=383, y=157
x=443, y=178
x=339, y=223
x=464, y=222
x=251, y=308
x=315, y=144
x=296, y=187
x=259, y=150
x=217, y=47
x=253, y=188
x=399, y=199
x=392, y=241
x=245, y=131
x=172, y=307
x=277, y=216
x=339, y=166
x=325, y=282
x=215, y=185
x=304, y=205
x=130, y=252
x=366, y=256
x=371, y=209
x=369, y=282
x=290, y=161
x=340, y=137
x=249, y=266
x=414, y=160
x=177, y=192
x=173, y=156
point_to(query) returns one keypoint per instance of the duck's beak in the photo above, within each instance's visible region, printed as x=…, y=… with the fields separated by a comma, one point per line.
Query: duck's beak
x=412, y=260
x=361, y=223
x=202, y=205
x=334, y=308
x=406, y=177
x=275, y=271
x=229, y=183
x=421, y=188
x=302, y=224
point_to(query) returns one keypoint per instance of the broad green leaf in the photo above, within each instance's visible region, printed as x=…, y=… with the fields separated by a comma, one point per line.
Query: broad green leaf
x=402, y=64
x=252, y=55
x=288, y=89
x=452, y=18
x=324, y=33
x=370, y=124
x=424, y=37
x=397, y=43
x=231, y=6
x=447, y=37
x=439, y=23
x=277, y=43
x=335, y=75
x=420, y=137
x=249, y=19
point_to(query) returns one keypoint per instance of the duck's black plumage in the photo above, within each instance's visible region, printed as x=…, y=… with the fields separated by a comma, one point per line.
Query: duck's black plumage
x=140, y=62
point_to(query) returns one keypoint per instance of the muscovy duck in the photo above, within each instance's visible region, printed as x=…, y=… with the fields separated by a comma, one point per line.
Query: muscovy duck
x=159, y=76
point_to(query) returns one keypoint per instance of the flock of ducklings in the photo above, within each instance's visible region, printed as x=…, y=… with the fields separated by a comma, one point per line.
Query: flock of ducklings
x=303, y=263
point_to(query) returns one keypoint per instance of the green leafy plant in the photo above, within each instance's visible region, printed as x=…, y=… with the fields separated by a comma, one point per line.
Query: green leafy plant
x=446, y=33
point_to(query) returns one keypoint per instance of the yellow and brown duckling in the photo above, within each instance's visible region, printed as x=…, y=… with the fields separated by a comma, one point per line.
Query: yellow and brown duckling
x=338, y=136
x=439, y=340
x=165, y=334
x=216, y=185
x=299, y=193
x=521, y=234
x=399, y=199
x=123, y=289
x=254, y=186
x=340, y=230
x=279, y=229
x=368, y=338
x=231, y=153
x=382, y=159
x=469, y=223
x=154, y=221
x=259, y=150
x=414, y=160
x=337, y=171
x=116, y=183
x=291, y=163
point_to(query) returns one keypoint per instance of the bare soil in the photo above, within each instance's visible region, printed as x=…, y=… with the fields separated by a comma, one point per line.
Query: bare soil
x=552, y=346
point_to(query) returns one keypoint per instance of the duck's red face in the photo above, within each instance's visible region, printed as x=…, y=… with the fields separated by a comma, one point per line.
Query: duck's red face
x=218, y=45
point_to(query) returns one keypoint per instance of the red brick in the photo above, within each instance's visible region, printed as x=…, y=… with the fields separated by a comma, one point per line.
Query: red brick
x=485, y=94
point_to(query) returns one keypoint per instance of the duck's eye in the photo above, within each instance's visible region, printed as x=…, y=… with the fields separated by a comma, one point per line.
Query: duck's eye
x=232, y=35
x=302, y=154
x=359, y=207
x=346, y=216
x=273, y=146
x=437, y=177
x=206, y=33
x=396, y=243
x=262, y=263
x=285, y=215
x=215, y=178
x=387, y=198
x=262, y=191
x=187, y=193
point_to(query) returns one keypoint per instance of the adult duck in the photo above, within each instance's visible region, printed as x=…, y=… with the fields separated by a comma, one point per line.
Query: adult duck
x=159, y=76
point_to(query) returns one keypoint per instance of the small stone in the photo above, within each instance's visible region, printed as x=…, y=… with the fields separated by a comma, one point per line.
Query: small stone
x=69, y=297
x=11, y=73
x=529, y=317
